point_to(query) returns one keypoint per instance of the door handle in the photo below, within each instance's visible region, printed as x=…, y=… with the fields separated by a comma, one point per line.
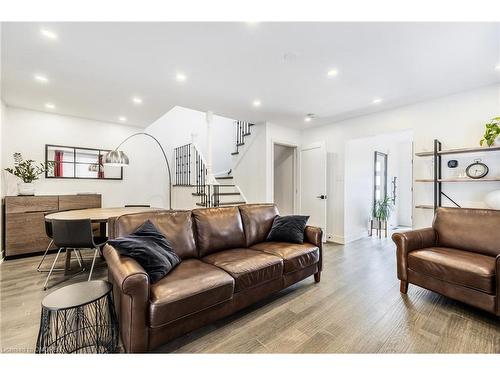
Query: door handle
x=322, y=196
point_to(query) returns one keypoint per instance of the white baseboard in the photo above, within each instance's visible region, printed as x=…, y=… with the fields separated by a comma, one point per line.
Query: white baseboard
x=345, y=240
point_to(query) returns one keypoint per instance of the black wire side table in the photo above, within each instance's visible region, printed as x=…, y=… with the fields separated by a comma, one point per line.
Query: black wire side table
x=79, y=318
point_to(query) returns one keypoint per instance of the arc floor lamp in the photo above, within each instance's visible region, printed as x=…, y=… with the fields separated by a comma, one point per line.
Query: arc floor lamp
x=117, y=158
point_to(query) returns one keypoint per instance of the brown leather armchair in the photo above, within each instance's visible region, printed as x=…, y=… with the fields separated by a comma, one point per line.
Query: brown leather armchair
x=459, y=257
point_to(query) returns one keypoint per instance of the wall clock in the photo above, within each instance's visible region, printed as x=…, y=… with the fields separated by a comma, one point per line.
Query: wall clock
x=477, y=170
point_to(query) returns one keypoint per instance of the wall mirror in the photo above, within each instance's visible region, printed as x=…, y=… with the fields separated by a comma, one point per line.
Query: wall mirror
x=79, y=162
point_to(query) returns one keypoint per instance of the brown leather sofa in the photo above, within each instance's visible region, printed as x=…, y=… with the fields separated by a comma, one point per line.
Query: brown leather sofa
x=226, y=266
x=458, y=257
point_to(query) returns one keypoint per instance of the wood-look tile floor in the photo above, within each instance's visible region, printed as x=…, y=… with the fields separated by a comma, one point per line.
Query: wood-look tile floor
x=356, y=308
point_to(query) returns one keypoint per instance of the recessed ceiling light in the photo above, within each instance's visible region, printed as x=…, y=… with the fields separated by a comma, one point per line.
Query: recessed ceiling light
x=48, y=34
x=333, y=73
x=309, y=117
x=40, y=78
x=49, y=106
x=137, y=100
x=256, y=103
x=122, y=119
x=377, y=101
x=497, y=67
x=180, y=77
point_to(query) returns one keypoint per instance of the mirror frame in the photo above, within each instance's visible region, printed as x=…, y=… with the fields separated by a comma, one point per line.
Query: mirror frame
x=101, y=151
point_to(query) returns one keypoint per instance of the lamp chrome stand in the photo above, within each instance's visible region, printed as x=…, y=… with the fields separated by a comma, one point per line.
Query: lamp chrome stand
x=117, y=158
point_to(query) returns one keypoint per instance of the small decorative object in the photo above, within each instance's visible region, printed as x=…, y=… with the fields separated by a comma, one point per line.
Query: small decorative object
x=452, y=163
x=491, y=133
x=477, y=169
x=28, y=172
x=492, y=200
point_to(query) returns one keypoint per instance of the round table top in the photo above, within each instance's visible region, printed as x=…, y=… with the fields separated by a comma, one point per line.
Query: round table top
x=76, y=295
x=97, y=214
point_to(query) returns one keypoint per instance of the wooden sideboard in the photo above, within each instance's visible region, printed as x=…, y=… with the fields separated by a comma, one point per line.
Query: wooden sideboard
x=24, y=224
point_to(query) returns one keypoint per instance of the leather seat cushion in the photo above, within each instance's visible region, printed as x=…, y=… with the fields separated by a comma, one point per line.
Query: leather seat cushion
x=464, y=268
x=248, y=267
x=190, y=287
x=295, y=256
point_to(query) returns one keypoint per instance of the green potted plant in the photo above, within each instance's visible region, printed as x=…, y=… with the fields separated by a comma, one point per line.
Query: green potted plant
x=383, y=208
x=491, y=133
x=28, y=171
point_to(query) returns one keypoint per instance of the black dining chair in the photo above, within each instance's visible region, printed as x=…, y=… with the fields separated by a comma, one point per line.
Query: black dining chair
x=48, y=232
x=76, y=235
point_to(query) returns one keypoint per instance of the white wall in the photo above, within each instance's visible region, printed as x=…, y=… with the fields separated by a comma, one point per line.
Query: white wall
x=253, y=168
x=457, y=120
x=359, y=164
x=28, y=131
x=2, y=125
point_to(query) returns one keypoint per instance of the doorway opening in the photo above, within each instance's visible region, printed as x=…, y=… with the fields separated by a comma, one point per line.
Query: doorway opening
x=378, y=168
x=284, y=178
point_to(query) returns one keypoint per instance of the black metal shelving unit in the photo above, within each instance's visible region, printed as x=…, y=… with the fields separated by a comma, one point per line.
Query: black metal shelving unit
x=438, y=179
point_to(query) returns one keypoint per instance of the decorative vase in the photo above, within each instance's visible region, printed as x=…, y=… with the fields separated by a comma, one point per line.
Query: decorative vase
x=26, y=188
x=492, y=200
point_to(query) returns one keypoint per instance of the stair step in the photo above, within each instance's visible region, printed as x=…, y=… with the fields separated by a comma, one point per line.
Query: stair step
x=240, y=144
x=199, y=194
x=235, y=153
x=224, y=178
x=246, y=134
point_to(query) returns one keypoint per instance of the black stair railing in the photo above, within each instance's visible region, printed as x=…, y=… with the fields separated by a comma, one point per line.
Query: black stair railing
x=242, y=129
x=190, y=170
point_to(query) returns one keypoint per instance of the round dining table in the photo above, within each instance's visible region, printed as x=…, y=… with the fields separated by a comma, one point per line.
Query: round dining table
x=96, y=215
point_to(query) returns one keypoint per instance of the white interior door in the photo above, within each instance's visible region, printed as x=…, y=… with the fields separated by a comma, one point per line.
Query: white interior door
x=313, y=184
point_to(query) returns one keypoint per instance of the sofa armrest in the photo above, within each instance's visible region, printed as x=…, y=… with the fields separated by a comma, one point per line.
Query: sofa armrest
x=314, y=235
x=409, y=241
x=131, y=291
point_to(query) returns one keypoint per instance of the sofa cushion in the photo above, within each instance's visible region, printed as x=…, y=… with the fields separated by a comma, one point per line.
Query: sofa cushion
x=257, y=221
x=218, y=229
x=464, y=268
x=468, y=229
x=177, y=226
x=192, y=286
x=295, y=256
x=248, y=267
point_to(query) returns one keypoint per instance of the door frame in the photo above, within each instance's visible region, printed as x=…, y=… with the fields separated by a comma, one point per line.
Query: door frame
x=296, y=171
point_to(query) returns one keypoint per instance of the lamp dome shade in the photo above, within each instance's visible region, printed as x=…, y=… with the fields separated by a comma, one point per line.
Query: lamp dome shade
x=116, y=159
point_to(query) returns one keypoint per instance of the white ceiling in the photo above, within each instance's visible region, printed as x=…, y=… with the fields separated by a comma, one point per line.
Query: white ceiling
x=94, y=69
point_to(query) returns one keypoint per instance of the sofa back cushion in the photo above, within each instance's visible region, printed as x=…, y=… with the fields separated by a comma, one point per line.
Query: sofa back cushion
x=176, y=226
x=475, y=230
x=257, y=221
x=218, y=229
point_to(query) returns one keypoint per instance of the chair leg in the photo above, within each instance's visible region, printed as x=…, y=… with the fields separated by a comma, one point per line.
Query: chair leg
x=403, y=287
x=51, y=269
x=39, y=269
x=78, y=257
x=93, y=262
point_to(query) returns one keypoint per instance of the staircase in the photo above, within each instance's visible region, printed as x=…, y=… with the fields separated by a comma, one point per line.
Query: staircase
x=191, y=171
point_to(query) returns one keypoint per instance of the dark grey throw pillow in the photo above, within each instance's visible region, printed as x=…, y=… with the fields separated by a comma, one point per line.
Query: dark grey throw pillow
x=150, y=249
x=288, y=229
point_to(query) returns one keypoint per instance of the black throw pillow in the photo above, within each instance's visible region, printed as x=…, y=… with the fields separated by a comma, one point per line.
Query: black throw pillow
x=150, y=249
x=288, y=229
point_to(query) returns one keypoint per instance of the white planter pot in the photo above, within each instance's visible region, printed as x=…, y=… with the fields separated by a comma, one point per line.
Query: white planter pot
x=492, y=200
x=497, y=142
x=26, y=188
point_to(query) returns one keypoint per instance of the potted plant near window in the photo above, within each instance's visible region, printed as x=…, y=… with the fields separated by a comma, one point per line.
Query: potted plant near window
x=491, y=133
x=381, y=213
x=28, y=171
